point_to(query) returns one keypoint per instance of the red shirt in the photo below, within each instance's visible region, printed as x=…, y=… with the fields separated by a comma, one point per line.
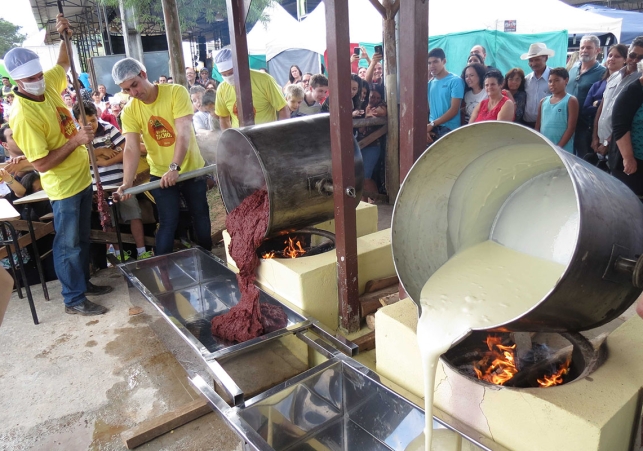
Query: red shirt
x=485, y=115
x=109, y=117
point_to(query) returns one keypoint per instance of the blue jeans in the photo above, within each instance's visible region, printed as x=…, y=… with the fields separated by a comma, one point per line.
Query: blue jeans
x=72, y=221
x=441, y=130
x=168, y=204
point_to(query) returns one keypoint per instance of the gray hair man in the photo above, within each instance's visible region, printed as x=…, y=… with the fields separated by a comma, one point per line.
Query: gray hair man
x=163, y=115
x=581, y=77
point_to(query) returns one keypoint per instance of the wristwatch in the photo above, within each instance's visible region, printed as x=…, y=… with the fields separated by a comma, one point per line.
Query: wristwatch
x=432, y=123
x=174, y=167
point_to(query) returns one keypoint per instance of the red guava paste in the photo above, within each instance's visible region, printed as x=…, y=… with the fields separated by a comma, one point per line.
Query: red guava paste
x=247, y=225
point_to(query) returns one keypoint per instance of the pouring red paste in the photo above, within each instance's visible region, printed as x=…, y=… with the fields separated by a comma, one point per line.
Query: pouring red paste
x=247, y=225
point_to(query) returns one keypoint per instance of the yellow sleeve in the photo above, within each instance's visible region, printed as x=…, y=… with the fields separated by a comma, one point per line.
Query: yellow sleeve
x=273, y=92
x=56, y=78
x=181, y=103
x=30, y=137
x=220, y=107
x=128, y=119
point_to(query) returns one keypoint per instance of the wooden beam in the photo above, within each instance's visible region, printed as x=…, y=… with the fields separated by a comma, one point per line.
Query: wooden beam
x=414, y=39
x=392, y=177
x=378, y=6
x=150, y=429
x=239, y=43
x=365, y=342
x=174, y=42
x=343, y=162
x=373, y=137
x=370, y=302
x=25, y=240
x=379, y=284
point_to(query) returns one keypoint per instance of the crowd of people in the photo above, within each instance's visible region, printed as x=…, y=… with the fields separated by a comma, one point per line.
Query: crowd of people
x=592, y=110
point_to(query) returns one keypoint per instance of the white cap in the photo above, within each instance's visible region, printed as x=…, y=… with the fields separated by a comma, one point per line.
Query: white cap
x=223, y=60
x=22, y=63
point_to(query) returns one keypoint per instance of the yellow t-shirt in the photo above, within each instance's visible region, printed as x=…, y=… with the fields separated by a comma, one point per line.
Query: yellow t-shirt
x=39, y=127
x=267, y=99
x=156, y=122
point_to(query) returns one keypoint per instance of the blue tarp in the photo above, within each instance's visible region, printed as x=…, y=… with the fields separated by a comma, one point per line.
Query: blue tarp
x=632, y=21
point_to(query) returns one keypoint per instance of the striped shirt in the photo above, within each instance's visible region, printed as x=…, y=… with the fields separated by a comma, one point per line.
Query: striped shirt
x=108, y=136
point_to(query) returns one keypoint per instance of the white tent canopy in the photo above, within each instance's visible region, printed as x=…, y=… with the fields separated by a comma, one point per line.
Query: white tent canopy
x=280, y=32
x=543, y=16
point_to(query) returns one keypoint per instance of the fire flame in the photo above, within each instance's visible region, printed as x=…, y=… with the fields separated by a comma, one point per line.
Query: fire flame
x=557, y=377
x=293, y=249
x=498, y=365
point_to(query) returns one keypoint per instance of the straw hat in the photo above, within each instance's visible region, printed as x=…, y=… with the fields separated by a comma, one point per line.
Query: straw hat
x=537, y=49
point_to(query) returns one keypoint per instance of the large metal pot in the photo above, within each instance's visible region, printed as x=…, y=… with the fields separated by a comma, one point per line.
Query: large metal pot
x=292, y=160
x=455, y=197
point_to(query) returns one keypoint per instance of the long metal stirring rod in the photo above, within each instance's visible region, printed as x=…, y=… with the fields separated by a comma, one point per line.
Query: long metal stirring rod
x=157, y=183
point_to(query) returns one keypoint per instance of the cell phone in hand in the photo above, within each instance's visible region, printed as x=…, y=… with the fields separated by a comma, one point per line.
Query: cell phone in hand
x=356, y=51
x=378, y=49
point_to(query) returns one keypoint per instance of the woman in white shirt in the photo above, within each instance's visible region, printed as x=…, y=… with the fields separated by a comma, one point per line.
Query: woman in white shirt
x=473, y=76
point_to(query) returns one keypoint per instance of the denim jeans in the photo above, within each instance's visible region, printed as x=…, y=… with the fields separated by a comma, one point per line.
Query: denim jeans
x=441, y=130
x=72, y=219
x=168, y=204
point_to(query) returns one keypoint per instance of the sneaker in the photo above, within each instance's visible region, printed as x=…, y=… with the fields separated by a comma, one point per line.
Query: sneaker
x=126, y=253
x=144, y=255
x=97, y=290
x=86, y=308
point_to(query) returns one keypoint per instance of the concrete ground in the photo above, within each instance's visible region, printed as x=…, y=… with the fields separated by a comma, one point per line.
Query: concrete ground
x=75, y=383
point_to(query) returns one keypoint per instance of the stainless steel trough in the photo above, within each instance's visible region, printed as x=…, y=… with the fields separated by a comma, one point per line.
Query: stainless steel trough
x=336, y=405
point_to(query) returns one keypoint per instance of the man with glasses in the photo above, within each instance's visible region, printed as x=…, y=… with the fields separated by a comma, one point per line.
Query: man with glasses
x=602, y=141
x=305, y=80
x=581, y=77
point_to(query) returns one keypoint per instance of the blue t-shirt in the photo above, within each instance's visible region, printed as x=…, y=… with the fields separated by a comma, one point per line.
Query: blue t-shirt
x=440, y=94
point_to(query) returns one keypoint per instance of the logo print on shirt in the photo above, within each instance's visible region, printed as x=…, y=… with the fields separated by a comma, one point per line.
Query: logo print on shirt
x=67, y=126
x=161, y=131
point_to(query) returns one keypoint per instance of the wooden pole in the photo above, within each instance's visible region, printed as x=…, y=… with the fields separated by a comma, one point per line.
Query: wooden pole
x=343, y=164
x=414, y=107
x=393, y=135
x=237, y=12
x=174, y=41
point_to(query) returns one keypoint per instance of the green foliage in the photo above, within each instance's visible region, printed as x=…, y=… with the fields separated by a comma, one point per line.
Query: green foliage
x=191, y=12
x=10, y=36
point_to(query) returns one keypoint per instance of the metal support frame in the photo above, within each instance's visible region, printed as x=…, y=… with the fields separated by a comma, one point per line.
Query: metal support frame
x=343, y=165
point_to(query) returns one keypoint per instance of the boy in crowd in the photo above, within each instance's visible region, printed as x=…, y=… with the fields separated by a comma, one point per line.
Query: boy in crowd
x=294, y=97
x=446, y=91
x=108, y=143
x=315, y=94
x=558, y=112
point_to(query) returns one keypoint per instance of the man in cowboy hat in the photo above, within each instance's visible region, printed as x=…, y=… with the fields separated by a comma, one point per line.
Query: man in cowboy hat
x=537, y=82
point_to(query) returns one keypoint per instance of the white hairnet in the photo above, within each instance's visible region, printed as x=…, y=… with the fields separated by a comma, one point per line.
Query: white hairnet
x=223, y=60
x=22, y=63
x=125, y=69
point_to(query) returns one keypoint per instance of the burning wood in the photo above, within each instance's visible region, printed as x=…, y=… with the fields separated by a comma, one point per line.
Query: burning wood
x=499, y=365
x=293, y=249
x=557, y=377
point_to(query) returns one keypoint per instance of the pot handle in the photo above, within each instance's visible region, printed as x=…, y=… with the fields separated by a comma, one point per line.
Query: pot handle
x=631, y=266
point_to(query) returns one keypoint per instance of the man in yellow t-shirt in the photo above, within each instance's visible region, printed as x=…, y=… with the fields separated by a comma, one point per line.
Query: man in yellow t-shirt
x=267, y=99
x=163, y=115
x=45, y=131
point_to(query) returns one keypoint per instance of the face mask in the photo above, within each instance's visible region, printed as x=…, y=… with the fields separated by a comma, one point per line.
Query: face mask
x=229, y=79
x=36, y=88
